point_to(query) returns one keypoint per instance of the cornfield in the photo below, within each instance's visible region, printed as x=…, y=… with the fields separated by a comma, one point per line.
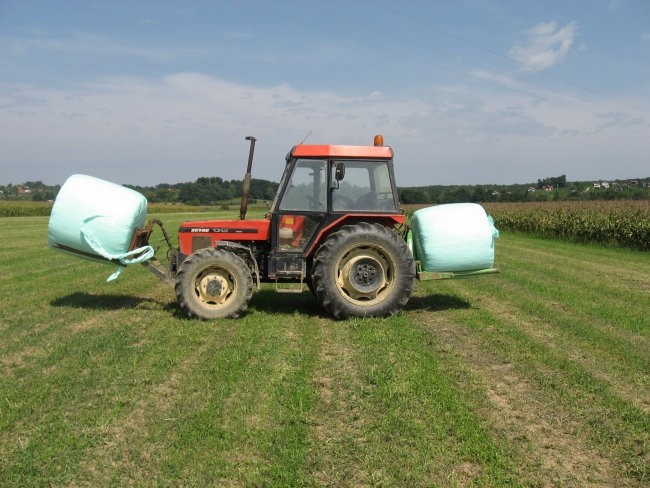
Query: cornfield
x=24, y=209
x=615, y=223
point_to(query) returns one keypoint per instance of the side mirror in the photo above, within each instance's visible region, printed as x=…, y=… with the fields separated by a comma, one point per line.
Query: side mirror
x=340, y=171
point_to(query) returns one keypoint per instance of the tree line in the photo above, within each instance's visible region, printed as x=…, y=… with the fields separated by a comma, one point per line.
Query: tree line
x=546, y=189
x=206, y=191
x=203, y=191
x=215, y=190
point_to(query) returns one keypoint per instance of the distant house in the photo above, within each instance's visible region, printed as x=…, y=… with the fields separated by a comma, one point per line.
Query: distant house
x=596, y=184
x=548, y=188
x=532, y=189
x=604, y=184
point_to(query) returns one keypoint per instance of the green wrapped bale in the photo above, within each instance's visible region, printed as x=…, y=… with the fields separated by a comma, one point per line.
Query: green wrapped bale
x=454, y=237
x=96, y=219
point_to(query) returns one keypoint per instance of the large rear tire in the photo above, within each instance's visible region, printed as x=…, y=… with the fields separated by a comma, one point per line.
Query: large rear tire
x=363, y=270
x=213, y=284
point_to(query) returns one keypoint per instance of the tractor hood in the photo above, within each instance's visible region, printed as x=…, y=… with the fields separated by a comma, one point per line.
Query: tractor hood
x=205, y=233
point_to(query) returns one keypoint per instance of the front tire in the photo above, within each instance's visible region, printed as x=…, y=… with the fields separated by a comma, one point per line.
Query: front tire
x=213, y=283
x=363, y=270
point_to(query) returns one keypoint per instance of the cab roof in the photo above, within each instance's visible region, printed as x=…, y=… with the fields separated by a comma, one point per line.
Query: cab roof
x=329, y=151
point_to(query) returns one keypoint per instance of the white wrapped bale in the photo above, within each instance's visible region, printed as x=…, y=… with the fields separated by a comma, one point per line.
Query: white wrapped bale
x=96, y=219
x=454, y=237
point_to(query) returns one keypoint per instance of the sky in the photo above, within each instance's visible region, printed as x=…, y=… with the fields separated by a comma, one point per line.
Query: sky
x=465, y=92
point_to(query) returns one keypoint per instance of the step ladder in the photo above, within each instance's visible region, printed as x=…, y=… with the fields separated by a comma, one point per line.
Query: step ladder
x=289, y=271
x=285, y=281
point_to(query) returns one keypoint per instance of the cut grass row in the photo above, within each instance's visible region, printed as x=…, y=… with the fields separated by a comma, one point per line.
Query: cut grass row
x=534, y=377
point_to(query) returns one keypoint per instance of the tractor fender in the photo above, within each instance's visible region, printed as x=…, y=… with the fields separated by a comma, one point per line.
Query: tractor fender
x=390, y=220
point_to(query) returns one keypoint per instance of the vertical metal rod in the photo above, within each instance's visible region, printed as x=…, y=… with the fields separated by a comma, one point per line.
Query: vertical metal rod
x=246, y=187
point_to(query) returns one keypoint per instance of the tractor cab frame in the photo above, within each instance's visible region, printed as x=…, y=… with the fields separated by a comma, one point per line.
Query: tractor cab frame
x=322, y=188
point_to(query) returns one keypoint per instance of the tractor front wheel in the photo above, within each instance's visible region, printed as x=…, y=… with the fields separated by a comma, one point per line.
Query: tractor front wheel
x=213, y=284
x=363, y=270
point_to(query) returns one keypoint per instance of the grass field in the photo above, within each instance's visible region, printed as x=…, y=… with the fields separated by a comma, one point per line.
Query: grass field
x=539, y=376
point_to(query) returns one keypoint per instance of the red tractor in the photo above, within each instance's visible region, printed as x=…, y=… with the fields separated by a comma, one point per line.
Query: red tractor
x=334, y=225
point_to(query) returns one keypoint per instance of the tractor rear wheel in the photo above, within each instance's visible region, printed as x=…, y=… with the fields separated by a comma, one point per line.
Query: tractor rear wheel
x=213, y=283
x=363, y=270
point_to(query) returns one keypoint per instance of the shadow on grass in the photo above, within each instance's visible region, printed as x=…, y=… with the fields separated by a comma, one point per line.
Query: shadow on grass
x=305, y=303
x=102, y=302
x=266, y=301
x=270, y=301
x=436, y=303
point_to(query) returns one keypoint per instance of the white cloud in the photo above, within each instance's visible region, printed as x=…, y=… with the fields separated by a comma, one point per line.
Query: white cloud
x=187, y=125
x=547, y=45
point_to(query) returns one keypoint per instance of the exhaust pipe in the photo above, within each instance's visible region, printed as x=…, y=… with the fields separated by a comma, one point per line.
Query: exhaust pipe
x=246, y=188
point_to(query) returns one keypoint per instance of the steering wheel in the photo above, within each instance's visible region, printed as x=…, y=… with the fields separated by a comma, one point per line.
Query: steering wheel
x=341, y=202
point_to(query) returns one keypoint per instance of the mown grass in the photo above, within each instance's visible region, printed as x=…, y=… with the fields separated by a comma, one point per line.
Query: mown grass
x=538, y=376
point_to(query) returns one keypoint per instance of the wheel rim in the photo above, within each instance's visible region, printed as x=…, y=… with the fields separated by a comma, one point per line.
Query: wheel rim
x=215, y=287
x=365, y=275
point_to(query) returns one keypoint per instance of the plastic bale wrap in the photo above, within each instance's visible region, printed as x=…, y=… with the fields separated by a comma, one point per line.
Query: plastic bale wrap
x=454, y=237
x=96, y=219
x=409, y=242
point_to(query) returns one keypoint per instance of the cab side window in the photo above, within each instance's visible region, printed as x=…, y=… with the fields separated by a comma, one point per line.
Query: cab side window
x=365, y=186
x=307, y=189
x=355, y=184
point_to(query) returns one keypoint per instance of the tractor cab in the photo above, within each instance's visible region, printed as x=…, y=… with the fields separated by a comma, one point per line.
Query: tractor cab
x=324, y=184
x=322, y=188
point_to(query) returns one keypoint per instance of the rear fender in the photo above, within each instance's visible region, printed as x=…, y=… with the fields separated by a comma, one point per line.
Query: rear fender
x=392, y=221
